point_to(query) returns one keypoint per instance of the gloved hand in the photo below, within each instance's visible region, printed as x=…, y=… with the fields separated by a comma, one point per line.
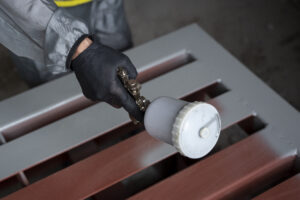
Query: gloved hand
x=96, y=70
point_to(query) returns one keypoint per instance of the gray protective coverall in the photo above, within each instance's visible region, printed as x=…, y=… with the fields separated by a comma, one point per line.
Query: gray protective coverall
x=40, y=35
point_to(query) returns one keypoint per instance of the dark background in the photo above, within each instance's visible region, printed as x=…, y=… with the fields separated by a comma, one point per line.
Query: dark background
x=262, y=34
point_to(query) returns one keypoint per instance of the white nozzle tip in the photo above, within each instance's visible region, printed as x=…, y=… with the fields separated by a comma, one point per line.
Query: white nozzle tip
x=204, y=132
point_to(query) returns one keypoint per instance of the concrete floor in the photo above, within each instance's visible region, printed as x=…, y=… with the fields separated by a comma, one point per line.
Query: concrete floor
x=262, y=34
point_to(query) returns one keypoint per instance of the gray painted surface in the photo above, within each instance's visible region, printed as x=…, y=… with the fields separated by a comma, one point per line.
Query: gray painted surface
x=248, y=95
x=38, y=100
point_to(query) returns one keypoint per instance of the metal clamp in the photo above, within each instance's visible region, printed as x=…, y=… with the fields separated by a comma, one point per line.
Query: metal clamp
x=133, y=87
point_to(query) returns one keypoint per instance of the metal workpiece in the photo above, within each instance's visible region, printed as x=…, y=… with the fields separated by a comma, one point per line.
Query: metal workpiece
x=165, y=71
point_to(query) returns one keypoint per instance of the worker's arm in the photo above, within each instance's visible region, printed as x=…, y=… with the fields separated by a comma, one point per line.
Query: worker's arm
x=37, y=29
x=29, y=27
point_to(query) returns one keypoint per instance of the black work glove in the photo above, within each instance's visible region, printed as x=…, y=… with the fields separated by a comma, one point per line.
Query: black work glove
x=96, y=70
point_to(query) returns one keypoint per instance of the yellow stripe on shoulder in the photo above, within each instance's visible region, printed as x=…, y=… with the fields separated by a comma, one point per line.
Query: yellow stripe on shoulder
x=70, y=3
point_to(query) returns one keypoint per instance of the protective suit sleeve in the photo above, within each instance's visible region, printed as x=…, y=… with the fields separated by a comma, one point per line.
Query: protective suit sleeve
x=38, y=30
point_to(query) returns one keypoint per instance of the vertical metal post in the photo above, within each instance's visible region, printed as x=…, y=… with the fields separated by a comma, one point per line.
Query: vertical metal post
x=21, y=175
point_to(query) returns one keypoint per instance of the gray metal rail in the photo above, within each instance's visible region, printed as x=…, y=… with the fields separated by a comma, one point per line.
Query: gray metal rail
x=213, y=64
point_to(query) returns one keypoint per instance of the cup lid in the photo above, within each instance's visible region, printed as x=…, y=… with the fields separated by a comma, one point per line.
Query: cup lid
x=196, y=129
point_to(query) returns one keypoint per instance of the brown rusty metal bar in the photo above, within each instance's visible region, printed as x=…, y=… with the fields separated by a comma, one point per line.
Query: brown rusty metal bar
x=289, y=190
x=242, y=167
x=98, y=172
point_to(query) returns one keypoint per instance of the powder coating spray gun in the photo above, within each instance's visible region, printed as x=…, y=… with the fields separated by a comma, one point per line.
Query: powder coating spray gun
x=192, y=128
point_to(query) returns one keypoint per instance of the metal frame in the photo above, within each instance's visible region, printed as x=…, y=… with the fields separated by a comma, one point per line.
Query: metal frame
x=248, y=94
